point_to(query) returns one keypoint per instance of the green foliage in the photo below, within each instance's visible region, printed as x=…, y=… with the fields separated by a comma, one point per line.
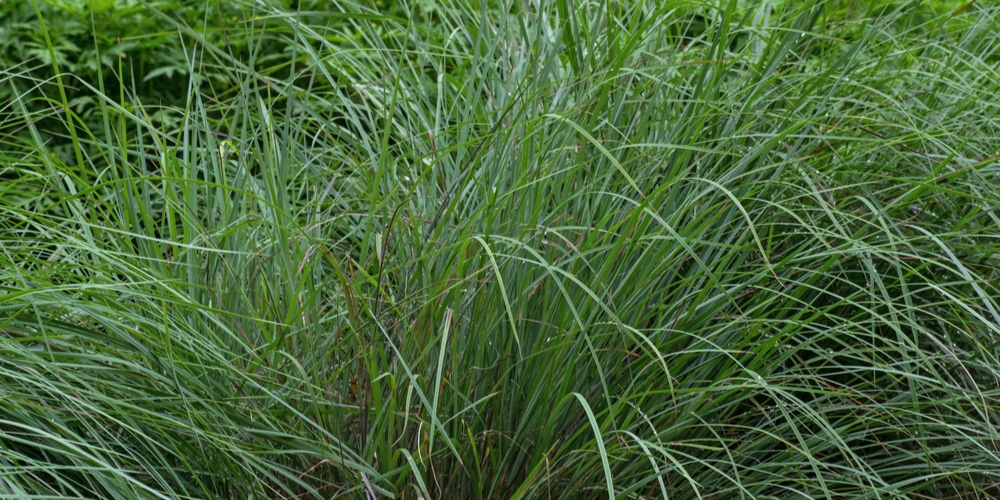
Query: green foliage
x=101, y=45
x=506, y=250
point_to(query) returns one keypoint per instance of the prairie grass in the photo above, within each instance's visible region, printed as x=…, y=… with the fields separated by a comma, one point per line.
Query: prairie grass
x=511, y=250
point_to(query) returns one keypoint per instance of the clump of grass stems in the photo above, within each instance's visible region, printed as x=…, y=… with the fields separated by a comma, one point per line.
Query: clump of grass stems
x=515, y=250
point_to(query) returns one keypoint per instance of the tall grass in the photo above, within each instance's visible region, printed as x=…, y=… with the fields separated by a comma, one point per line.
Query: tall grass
x=516, y=250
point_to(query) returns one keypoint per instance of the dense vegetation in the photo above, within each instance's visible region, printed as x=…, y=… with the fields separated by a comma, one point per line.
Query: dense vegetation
x=499, y=249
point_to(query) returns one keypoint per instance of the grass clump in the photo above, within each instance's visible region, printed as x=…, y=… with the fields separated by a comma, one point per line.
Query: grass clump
x=513, y=250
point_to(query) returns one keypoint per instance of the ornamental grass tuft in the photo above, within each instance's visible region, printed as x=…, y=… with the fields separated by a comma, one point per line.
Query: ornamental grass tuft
x=500, y=249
